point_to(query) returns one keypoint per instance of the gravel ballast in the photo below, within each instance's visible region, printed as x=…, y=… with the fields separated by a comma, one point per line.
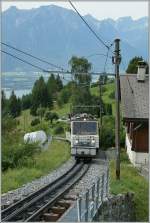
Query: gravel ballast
x=97, y=168
x=18, y=194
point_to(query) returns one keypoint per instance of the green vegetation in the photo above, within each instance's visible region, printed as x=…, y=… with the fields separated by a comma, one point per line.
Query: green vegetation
x=106, y=94
x=131, y=181
x=44, y=162
x=15, y=153
x=22, y=163
x=133, y=65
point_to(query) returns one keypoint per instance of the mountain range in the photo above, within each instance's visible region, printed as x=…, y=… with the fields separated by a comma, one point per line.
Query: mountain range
x=56, y=34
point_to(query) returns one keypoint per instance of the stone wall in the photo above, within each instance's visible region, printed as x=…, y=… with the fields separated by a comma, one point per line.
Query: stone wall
x=117, y=208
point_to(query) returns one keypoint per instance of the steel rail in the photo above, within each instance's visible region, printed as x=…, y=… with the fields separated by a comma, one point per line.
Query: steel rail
x=36, y=216
x=20, y=203
x=33, y=205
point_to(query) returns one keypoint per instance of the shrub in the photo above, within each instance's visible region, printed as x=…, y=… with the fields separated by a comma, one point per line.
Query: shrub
x=104, y=89
x=18, y=155
x=108, y=132
x=8, y=124
x=33, y=110
x=112, y=95
x=35, y=122
x=63, y=96
x=51, y=116
x=41, y=126
x=58, y=130
x=107, y=109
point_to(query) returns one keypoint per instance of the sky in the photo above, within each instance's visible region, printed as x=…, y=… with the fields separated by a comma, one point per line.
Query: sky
x=98, y=9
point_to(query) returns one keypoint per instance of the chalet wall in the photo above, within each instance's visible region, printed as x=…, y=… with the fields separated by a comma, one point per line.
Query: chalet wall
x=118, y=208
x=141, y=139
x=139, y=136
x=137, y=158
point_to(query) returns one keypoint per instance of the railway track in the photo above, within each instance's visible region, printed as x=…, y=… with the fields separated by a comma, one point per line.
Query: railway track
x=48, y=203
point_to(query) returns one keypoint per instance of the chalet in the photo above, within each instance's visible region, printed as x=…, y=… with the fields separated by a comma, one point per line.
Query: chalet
x=135, y=109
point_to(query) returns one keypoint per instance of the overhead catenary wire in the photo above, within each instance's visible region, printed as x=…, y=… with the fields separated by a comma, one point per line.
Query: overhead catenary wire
x=90, y=28
x=24, y=61
x=56, y=71
x=98, y=54
x=105, y=64
x=31, y=64
x=35, y=57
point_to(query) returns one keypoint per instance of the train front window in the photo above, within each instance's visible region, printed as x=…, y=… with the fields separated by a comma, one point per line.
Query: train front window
x=84, y=128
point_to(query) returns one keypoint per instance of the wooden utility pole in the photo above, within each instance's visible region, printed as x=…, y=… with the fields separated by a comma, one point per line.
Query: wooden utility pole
x=117, y=60
x=100, y=95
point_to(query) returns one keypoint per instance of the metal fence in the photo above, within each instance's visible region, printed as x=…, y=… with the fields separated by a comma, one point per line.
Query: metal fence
x=89, y=202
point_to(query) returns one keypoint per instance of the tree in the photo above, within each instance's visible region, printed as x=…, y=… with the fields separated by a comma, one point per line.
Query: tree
x=59, y=83
x=39, y=95
x=63, y=96
x=33, y=110
x=133, y=65
x=108, y=109
x=4, y=103
x=81, y=94
x=14, y=105
x=26, y=101
x=52, y=87
x=80, y=65
x=51, y=116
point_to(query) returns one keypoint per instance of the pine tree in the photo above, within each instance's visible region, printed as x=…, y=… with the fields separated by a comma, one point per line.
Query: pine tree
x=14, y=105
x=39, y=95
x=59, y=83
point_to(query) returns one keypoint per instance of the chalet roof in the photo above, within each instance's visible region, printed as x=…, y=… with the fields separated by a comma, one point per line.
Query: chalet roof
x=134, y=97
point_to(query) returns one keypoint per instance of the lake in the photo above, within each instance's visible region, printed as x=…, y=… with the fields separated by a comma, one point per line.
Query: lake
x=22, y=82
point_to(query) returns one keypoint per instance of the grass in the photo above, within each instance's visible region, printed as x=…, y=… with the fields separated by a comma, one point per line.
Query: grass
x=131, y=181
x=25, y=120
x=62, y=111
x=57, y=153
x=109, y=88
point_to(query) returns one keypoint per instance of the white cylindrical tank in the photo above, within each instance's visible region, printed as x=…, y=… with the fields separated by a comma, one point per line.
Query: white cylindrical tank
x=34, y=137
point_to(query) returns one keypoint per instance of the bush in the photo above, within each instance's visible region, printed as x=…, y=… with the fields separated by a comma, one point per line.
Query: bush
x=41, y=126
x=33, y=111
x=112, y=95
x=26, y=101
x=51, y=116
x=104, y=89
x=107, y=109
x=108, y=132
x=58, y=130
x=18, y=155
x=35, y=122
x=63, y=96
x=8, y=124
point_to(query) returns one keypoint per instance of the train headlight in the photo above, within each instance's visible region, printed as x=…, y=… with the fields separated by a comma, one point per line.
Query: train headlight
x=76, y=141
x=93, y=141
